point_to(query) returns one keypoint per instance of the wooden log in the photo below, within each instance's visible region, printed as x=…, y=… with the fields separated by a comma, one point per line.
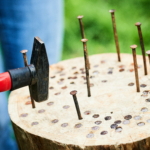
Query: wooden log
x=115, y=117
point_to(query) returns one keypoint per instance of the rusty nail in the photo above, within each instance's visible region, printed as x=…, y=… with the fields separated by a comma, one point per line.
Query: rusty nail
x=25, y=57
x=26, y=64
x=135, y=66
x=115, y=33
x=83, y=35
x=86, y=66
x=73, y=93
x=138, y=24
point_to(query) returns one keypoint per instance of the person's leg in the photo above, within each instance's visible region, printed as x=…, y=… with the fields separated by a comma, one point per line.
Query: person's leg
x=20, y=22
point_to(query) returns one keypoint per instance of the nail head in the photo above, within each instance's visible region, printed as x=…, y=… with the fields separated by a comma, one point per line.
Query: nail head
x=80, y=17
x=112, y=10
x=73, y=92
x=133, y=46
x=84, y=40
x=138, y=23
x=24, y=51
x=148, y=52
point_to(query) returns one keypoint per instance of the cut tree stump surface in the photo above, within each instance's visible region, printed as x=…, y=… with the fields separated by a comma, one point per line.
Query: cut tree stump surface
x=114, y=117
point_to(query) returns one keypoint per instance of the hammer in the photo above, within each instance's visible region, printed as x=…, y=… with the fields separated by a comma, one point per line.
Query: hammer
x=35, y=75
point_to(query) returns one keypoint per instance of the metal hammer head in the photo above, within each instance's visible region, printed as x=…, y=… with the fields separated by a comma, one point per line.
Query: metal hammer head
x=39, y=88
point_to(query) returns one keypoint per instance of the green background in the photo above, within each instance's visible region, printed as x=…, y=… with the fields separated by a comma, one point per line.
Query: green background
x=98, y=26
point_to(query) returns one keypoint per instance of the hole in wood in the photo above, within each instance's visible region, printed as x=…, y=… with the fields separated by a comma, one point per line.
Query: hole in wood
x=66, y=106
x=55, y=121
x=78, y=125
x=57, y=93
x=104, y=81
x=95, y=72
x=52, y=77
x=121, y=70
x=50, y=103
x=72, y=83
x=137, y=117
x=87, y=112
x=90, y=135
x=131, y=70
x=126, y=122
x=95, y=66
x=98, y=122
x=24, y=115
x=92, y=77
x=118, y=129
x=113, y=126
x=76, y=73
x=60, y=82
x=28, y=103
x=131, y=84
x=62, y=74
x=103, y=132
x=51, y=88
x=144, y=109
x=128, y=117
x=64, y=87
x=64, y=125
x=121, y=66
x=110, y=72
x=117, y=122
x=34, y=123
x=143, y=85
x=147, y=100
x=73, y=67
x=108, y=118
x=95, y=128
x=140, y=124
x=103, y=61
x=41, y=111
x=146, y=92
x=96, y=116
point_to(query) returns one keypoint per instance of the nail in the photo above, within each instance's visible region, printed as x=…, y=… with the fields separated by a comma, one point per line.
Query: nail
x=148, y=53
x=138, y=24
x=86, y=66
x=115, y=33
x=83, y=35
x=25, y=57
x=26, y=64
x=73, y=93
x=135, y=66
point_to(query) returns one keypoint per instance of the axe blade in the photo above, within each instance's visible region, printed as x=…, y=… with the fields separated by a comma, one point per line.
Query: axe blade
x=39, y=90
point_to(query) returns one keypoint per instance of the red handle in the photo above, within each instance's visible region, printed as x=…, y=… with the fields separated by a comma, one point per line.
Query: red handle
x=5, y=82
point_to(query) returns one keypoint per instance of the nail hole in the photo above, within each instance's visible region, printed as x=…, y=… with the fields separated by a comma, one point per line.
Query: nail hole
x=82, y=69
x=57, y=93
x=110, y=72
x=74, y=77
x=98, y=122
x=147, y=100
x=90, y=135
x=64, y=87
x=62, y=79
x=144, y=109
x=28, y=103
x=103, y=61
x=60, y=82
x=121, y=66
x=146, y=92
x=118, y=129
x=131, y=70
x=73, y=67
x=62, y=74
x=55, y=121
x=92, y=77
x=95, y=66
x=144, y=95
x=87, y=112
x=24, y=115
x=52, y=77
x=126, y=122
x=128, y=117
x=95, y=128
x=110, y=68
x=148, y=120
x=72, y=83
x=78, y=125
x=41, y=111
x=83, y=77
x=131, y=84
x=121, y=70
x=104, y=81
x=143, y=85
x=50, y=103
x=137, y=117
x=51, y=88
x=95, y=72
x=76, y=73
x=141, y=124
x=66, y=106
x=113, y=126
x=64, y=125
x=34, y=123
x=83, y=72
x=111, y=112
x=96, y=116
x=117, y=122
x=104, y=132
x=108, y=118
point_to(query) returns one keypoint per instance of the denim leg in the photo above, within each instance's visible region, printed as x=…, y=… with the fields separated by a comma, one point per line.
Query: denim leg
x=20, y=22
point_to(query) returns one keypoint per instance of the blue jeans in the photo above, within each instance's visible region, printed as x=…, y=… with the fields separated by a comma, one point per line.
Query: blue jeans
x=20, y=22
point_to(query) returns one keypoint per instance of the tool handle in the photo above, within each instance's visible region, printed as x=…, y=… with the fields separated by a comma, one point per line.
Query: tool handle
x=5, y=82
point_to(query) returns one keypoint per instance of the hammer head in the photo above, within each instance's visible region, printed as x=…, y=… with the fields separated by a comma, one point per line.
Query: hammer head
x=39, y=89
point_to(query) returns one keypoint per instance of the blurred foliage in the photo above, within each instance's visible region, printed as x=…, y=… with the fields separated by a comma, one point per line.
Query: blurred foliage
x=98, y=26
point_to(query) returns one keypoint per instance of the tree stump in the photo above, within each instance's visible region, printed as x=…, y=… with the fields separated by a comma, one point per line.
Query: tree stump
x=115, y=117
